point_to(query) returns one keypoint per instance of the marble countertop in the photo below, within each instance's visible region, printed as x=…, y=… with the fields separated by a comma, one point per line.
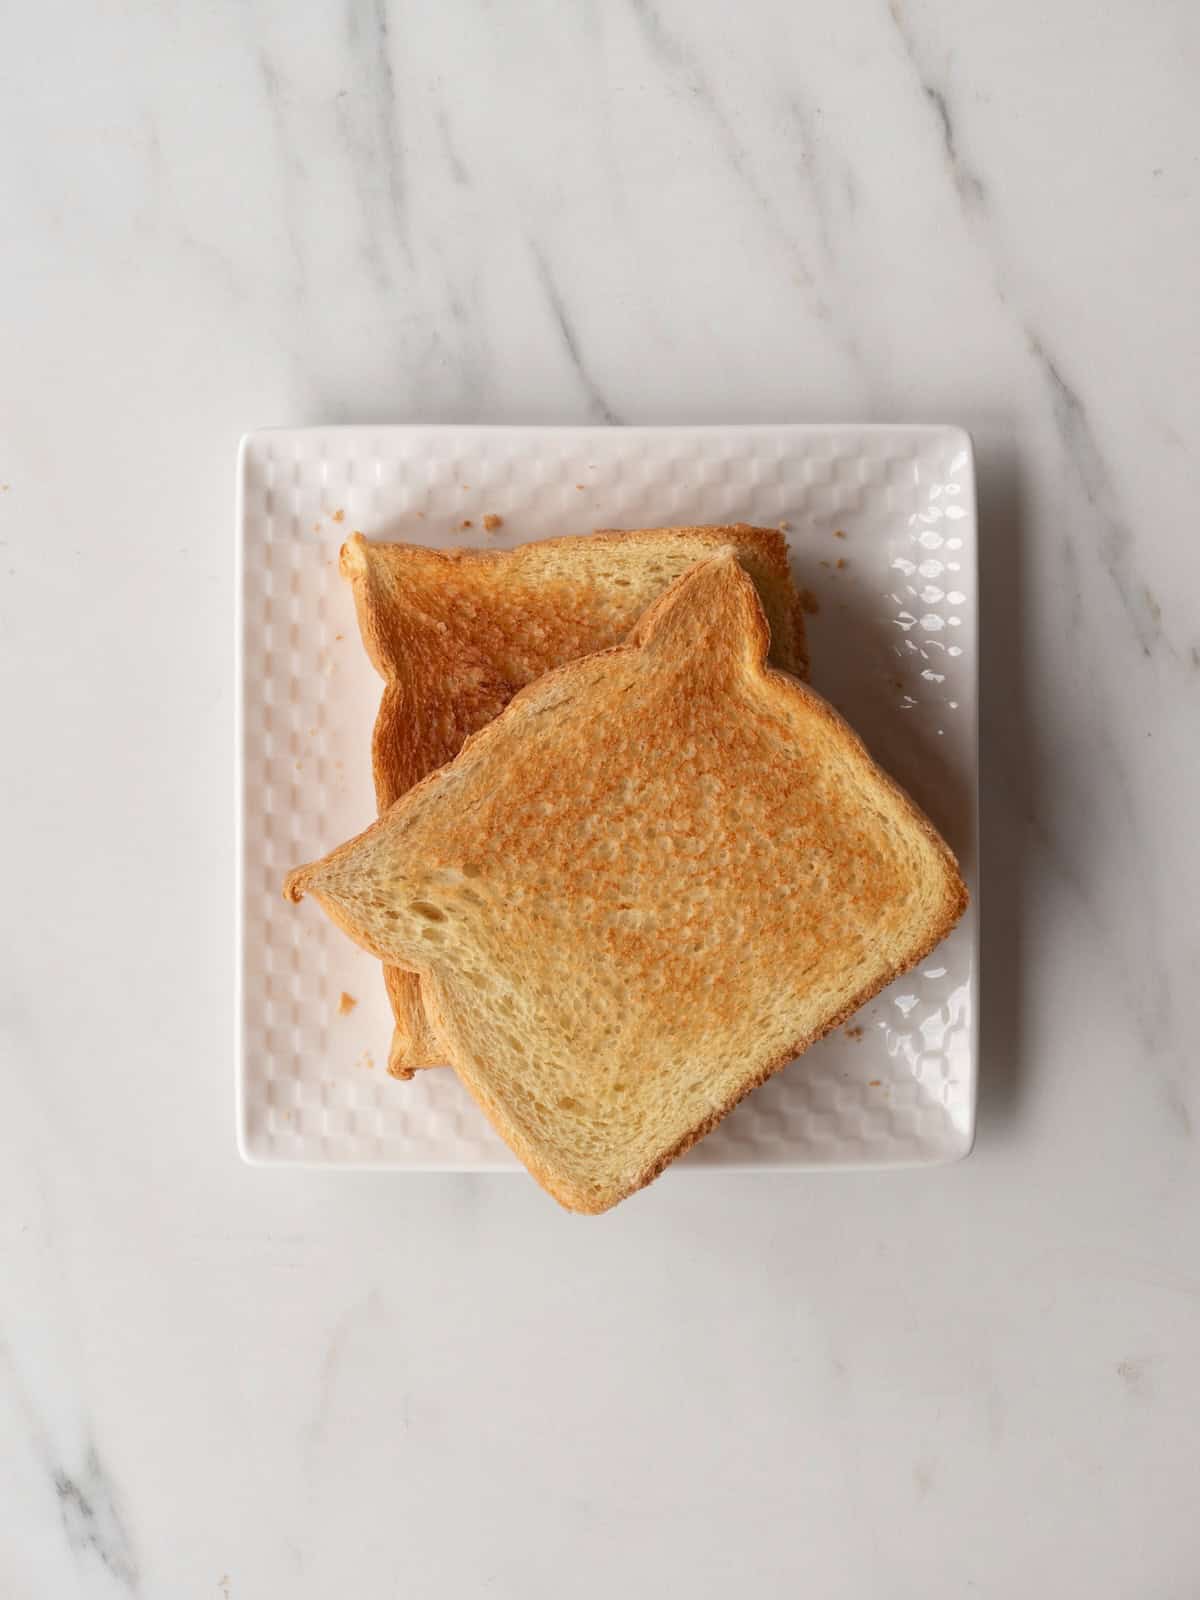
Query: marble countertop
x=225, y=1382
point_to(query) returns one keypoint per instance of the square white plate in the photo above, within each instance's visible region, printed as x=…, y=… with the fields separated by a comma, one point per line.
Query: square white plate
x=881, y=522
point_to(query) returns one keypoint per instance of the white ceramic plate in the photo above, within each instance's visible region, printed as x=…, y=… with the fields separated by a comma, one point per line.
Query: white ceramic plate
x=881, y=522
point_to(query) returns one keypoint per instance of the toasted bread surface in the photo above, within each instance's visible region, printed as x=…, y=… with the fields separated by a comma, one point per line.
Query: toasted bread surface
x=455, y=633
x=661, y=873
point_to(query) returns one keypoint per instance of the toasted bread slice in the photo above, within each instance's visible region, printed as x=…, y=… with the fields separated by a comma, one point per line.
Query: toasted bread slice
x=663, y=872
x=454, y=634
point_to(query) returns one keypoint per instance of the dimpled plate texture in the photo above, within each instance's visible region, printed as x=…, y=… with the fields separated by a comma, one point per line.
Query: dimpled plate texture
x=881, y=523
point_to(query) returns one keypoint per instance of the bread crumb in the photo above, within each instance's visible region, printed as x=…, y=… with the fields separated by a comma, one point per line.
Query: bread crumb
x=339, y=636
x=316, y=527
x=420, y=516
x=809, y=603
x=491, y=522
x=346, y=1004
x=824, y=563
x=838, y=533
x=841, y=563
x=339, y=515
x=854, y=1033
x=466, y=523
x=785, y=527
x=579, y=486
x=875, y=1083
x=466, y=485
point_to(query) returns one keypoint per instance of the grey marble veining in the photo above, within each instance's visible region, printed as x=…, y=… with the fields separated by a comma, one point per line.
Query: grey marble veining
x=92, y=1526
x=217, y=1381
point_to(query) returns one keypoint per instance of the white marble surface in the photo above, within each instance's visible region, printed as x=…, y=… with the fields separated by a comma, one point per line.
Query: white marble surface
x=216, y=1381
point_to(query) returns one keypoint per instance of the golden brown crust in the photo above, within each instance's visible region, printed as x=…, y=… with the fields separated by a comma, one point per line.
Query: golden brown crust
x=413, y=1044
x=732, y=650
x=449, y=631
x=803, y=658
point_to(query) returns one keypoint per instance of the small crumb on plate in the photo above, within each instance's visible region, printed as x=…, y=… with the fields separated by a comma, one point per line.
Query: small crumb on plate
x=491, y=522
x=346, y=1004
